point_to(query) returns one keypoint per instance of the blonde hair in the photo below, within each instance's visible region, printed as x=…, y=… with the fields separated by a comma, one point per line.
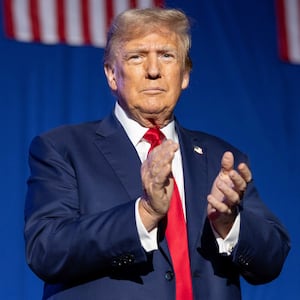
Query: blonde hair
x=137, y=22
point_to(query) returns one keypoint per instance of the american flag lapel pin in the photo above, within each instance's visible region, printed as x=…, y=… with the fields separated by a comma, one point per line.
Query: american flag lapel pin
x=198, y=150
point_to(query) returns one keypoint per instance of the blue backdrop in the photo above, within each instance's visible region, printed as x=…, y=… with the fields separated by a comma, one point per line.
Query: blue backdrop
x=239, y=90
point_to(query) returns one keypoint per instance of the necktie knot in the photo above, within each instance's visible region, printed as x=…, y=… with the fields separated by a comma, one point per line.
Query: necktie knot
x=154, y=136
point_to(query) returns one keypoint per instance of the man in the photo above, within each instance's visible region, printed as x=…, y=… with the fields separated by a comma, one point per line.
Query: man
x=100, y=205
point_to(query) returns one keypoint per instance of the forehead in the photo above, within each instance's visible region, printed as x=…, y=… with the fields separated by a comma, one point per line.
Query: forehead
x=159, y=39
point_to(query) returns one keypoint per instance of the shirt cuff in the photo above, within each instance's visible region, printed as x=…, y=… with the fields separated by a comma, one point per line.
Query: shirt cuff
x=148, y=239
x=227, y=244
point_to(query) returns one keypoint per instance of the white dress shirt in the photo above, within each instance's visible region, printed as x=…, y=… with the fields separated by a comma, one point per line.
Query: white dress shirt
x=135, y=133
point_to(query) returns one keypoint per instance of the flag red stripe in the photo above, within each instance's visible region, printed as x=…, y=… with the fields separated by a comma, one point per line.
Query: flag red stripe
x=9, y=24
x=159, y=3
x=33, y=14
x=299, y=18
x=109, y=12
x=60, y=26
x=34, y=20
x=132, y=4
x=85, y=21
x=282, y=30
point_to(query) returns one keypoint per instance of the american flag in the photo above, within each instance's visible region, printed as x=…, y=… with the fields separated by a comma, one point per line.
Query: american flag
x=73, y=22
x=288, y=16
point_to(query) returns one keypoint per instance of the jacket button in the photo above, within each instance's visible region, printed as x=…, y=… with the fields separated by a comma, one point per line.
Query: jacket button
x=169, y=275
x=115, y=263
x=243, y=261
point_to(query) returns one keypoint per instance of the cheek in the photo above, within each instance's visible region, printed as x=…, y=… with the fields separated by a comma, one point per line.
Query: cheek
x=176, y=83
x=119, y=78
x=131, y=80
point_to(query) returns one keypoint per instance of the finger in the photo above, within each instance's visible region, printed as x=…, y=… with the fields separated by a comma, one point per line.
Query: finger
x=157, y=179
x=165, y=146
x=212, y=213
x=245, y=172
x=164, y=153
x=157, y=169
x=218, y=206
x=227, y=162
x=239, y=183
x=231, y=196
x=161, y=167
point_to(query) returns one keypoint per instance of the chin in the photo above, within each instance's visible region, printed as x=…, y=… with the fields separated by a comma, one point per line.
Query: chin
x=154, y=119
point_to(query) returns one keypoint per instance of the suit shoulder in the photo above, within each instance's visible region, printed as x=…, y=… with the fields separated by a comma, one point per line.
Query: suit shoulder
x=72, y=128
x=206, y=137
x=211, y=142
x=68, y=134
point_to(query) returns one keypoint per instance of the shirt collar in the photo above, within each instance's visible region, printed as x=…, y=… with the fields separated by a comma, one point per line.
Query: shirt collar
x=136, y=132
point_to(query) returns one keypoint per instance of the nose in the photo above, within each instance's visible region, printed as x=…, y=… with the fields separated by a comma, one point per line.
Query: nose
x=153, y=68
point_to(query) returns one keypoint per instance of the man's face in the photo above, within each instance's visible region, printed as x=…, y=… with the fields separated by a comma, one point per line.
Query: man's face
x=148, y=76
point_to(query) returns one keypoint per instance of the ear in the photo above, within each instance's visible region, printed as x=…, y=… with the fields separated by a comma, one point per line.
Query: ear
x=185, y=80
x=110, y=76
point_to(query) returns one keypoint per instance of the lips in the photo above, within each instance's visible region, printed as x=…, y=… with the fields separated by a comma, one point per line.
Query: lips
x=153, y=90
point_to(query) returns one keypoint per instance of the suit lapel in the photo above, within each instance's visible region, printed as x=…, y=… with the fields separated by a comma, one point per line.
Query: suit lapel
x=194, y=161
x=113, y=142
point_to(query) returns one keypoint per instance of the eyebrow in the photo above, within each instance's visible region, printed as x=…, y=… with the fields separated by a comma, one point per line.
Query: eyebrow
x=164, y=47
x=142, y=49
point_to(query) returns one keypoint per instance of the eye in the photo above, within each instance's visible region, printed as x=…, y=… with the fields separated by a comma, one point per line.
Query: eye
x=135, y=58
x=167, y=56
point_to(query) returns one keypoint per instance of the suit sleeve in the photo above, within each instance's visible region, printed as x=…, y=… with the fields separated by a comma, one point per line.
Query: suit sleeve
x=263, y=241
x=62, y=243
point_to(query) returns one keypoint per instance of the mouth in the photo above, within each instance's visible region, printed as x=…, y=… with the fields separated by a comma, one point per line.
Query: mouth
x=152, y=90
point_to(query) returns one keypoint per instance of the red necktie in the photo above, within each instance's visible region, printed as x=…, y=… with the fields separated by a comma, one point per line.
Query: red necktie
x=176, y=233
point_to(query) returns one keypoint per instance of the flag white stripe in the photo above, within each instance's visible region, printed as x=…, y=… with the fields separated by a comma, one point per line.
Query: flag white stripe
x=145, y=3
x=73, y=22
x=97, y=22
x=21, y=18
x=48, y=21
x=292, y=17
x=120, y=6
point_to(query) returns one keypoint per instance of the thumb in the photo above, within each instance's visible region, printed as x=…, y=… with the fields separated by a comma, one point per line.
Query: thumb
x=227, y=162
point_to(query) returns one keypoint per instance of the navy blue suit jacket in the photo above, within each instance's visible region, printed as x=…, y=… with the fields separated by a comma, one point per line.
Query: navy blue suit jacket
x=81, y=235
